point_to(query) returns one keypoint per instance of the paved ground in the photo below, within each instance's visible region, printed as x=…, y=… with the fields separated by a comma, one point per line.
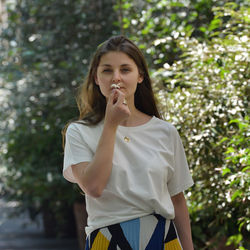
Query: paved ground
x=20, y=233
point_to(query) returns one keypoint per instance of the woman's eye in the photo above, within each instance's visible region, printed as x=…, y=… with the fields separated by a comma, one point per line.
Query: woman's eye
x=107, y=70
x=125, y=70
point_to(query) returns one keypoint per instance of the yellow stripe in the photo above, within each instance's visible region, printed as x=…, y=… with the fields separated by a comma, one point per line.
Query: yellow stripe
x=173, y=245
x=100, y=242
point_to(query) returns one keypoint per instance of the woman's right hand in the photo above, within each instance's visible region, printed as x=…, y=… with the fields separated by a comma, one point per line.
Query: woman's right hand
x=116, y=110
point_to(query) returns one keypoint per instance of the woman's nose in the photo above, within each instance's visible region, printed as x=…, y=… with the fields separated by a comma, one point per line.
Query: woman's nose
x=116, y=77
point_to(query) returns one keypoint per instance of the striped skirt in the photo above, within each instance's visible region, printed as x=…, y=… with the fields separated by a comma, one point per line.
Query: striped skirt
x=152, y=232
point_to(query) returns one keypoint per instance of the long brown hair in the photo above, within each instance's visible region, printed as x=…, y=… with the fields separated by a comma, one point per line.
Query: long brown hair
x=92, y=104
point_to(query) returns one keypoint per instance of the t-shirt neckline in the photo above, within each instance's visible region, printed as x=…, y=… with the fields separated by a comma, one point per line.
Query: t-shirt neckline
x=144, y=125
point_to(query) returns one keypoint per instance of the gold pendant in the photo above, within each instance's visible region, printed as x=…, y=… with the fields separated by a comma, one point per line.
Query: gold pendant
x=126, y=139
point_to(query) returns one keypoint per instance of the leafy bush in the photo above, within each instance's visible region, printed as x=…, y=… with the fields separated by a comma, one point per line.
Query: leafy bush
x=156, y=24
x=206, y=95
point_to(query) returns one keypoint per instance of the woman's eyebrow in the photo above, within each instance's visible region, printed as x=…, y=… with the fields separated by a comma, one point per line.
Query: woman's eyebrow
x=126, y=64
x=105, y=65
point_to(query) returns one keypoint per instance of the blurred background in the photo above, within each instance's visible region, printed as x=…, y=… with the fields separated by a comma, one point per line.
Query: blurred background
x=198, y=55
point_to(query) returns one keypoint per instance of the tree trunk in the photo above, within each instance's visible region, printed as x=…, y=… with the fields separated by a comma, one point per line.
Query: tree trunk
x=81, y=222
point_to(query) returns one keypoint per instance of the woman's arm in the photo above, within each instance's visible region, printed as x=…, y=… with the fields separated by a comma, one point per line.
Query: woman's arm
x=182, y=221
x=92, y=177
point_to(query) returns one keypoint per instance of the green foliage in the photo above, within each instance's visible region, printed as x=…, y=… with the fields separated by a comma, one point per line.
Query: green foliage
x=157, y=24
x=45, y=51
x=206, y=95
x=236, y=176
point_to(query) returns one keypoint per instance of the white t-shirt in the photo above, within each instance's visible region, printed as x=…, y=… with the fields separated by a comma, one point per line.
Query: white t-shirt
x=146, y=172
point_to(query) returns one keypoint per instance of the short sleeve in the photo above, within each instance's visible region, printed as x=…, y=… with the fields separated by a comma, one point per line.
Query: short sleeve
x=181, y=178
x=76, y=150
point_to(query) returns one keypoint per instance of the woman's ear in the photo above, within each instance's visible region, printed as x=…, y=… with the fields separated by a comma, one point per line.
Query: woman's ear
x=96, y=80
x=141, y=78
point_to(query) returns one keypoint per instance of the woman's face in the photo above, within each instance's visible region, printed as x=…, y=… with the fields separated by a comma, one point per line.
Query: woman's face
x=117, y=67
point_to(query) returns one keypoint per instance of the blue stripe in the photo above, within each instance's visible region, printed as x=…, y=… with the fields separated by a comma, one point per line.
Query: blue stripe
x=87, y=244
x=157, y=240
x=131, y=230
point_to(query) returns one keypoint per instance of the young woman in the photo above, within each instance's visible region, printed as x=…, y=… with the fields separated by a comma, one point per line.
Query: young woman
x=130, y=164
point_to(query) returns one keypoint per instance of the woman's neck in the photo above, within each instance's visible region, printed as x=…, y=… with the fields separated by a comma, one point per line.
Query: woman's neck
x=136, y=118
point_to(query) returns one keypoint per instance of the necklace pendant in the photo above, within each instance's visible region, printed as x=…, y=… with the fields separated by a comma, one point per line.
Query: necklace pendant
x=126, y=139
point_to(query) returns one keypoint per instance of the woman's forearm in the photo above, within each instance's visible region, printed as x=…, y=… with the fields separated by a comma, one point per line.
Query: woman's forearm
x=92, y=177
x=98, y=171
x=182, y=221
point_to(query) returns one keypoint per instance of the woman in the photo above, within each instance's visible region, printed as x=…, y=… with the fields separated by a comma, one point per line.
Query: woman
x=130, y=164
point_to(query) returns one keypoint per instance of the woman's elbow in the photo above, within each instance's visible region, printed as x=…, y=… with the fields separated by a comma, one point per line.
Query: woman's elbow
x=94, y=191
x=87, y=185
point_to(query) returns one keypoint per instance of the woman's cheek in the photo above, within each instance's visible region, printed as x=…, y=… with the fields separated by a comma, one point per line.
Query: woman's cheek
x=105, y=90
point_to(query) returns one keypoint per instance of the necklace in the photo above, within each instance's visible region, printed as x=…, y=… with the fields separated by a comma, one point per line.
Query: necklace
x=125, y=134
x=126, y=139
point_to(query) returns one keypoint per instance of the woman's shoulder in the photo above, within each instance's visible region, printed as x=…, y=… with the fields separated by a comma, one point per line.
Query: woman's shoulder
x=165, y=124
x=82, y=127
x=168, y=129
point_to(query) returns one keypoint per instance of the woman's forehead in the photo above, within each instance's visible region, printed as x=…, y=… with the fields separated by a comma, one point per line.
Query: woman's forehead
x=114, y=58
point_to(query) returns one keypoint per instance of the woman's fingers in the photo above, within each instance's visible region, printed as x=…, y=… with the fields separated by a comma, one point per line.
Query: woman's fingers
x=112, y=97
x=116, y=97
x=116, y=111
x=120, y=98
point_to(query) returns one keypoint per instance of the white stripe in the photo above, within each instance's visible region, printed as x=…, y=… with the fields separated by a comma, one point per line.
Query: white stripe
x=105, y=232
x=166, y=228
